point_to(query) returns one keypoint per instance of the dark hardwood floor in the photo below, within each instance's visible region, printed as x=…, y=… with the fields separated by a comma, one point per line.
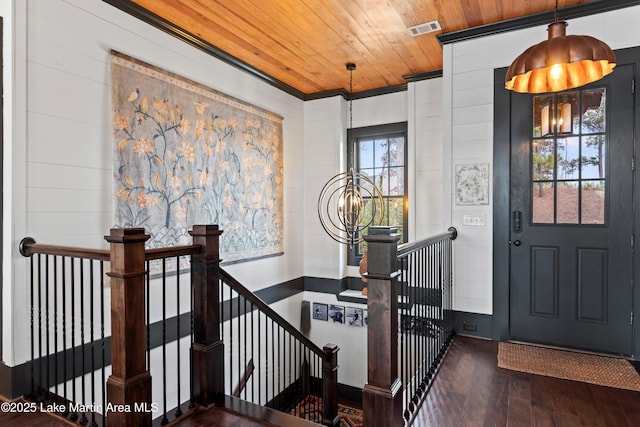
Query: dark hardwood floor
x=470, y=390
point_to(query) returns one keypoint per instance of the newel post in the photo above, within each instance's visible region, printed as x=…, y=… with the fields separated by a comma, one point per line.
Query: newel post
x=330, y=386
x=382, y=395
x=207, y=353
x=129, y=386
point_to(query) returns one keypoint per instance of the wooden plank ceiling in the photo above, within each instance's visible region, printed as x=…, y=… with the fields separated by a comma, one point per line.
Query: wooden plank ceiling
x=305, y=44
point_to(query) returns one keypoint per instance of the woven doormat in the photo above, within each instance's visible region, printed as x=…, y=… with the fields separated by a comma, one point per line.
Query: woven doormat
x=588, y=368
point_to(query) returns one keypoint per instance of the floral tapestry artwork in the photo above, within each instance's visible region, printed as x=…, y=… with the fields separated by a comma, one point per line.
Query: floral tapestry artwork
x=186, y=154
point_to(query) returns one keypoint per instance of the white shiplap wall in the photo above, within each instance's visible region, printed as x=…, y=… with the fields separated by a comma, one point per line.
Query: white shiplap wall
x=59, y=139
x=468, y=133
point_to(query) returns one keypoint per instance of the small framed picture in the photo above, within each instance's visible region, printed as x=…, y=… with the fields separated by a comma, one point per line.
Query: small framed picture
x=320, y=311
x=336, y=313
x=354, y=316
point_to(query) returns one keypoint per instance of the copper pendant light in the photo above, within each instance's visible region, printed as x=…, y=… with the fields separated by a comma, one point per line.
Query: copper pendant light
x=559, y=63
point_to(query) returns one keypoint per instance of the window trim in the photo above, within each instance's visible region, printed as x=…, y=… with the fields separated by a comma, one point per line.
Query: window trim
x=354, y=134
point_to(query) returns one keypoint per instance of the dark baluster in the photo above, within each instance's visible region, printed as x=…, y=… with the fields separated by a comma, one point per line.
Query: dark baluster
x=245, y=364
x=279, y=368
x=253, y=336
x=91, y=336
x=147, y=292
x=55, y=327
x=433, y=284
x=178, y=410
x=73, y=415
x=314, y=385
x=64, y=327
x=319, y=380
x=305, y=379
x=290, y=369
x=165, y=420
x=240, y=364
x=438, y=249
x=32, y=320
x=102, y=343
x=83, y=417
x=404, y=281
x=296, y=378
x=191, y=293
x=273, y=364
x=40, y=368
x=47, y=383
x=259, y=355
x=414, y=331
x=230, y=339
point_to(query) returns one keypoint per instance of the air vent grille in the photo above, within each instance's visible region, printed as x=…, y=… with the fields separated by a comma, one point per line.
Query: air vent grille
x=428, y=27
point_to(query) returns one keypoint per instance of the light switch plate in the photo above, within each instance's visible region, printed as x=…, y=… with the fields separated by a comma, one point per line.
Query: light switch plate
x=474, y=220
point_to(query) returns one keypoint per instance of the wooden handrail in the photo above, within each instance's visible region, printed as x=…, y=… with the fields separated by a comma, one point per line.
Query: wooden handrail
x=271, y=313
x=28, y=247
x=409, y=247
x=170, y=252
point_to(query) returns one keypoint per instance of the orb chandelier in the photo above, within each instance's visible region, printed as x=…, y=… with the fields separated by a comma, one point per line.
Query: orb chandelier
x=559, y=63
x=350, y=201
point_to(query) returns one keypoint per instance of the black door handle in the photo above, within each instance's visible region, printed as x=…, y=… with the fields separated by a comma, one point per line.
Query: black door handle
x=516, y=243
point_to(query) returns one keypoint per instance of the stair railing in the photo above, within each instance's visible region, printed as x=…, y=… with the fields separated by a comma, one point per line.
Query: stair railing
x=160, y=328
x=290, y=373
x=409, y=290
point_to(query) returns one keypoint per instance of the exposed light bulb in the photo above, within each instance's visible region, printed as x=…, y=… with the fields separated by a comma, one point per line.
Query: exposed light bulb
x=556, y=71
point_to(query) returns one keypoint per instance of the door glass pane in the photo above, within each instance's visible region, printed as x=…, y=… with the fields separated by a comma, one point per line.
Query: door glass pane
x=566, y=110
x=593, y=158
x=593, y=202
x=543, y=159
x=543, y=202
x=542, y=115
x=593, y=111
x=567, y=202
x=568, y=156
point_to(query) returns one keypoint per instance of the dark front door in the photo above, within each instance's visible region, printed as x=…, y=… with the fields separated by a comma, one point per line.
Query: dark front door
x=571, y=203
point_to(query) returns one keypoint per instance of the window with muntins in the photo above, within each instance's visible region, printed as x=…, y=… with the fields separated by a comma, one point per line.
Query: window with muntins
x=380, y=153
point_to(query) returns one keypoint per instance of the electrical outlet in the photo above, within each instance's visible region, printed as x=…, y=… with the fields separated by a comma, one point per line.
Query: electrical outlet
x=469, y=326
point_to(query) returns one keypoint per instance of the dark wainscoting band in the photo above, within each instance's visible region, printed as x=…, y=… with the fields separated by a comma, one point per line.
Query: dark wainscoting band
x=473, y=324
x=15, y=380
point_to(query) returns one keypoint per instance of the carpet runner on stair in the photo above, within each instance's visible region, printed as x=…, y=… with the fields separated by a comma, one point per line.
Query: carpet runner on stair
x=311, y=409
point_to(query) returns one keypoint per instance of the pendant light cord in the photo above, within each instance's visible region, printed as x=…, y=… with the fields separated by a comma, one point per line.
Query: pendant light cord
x=351, y=67
x=351, y=96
